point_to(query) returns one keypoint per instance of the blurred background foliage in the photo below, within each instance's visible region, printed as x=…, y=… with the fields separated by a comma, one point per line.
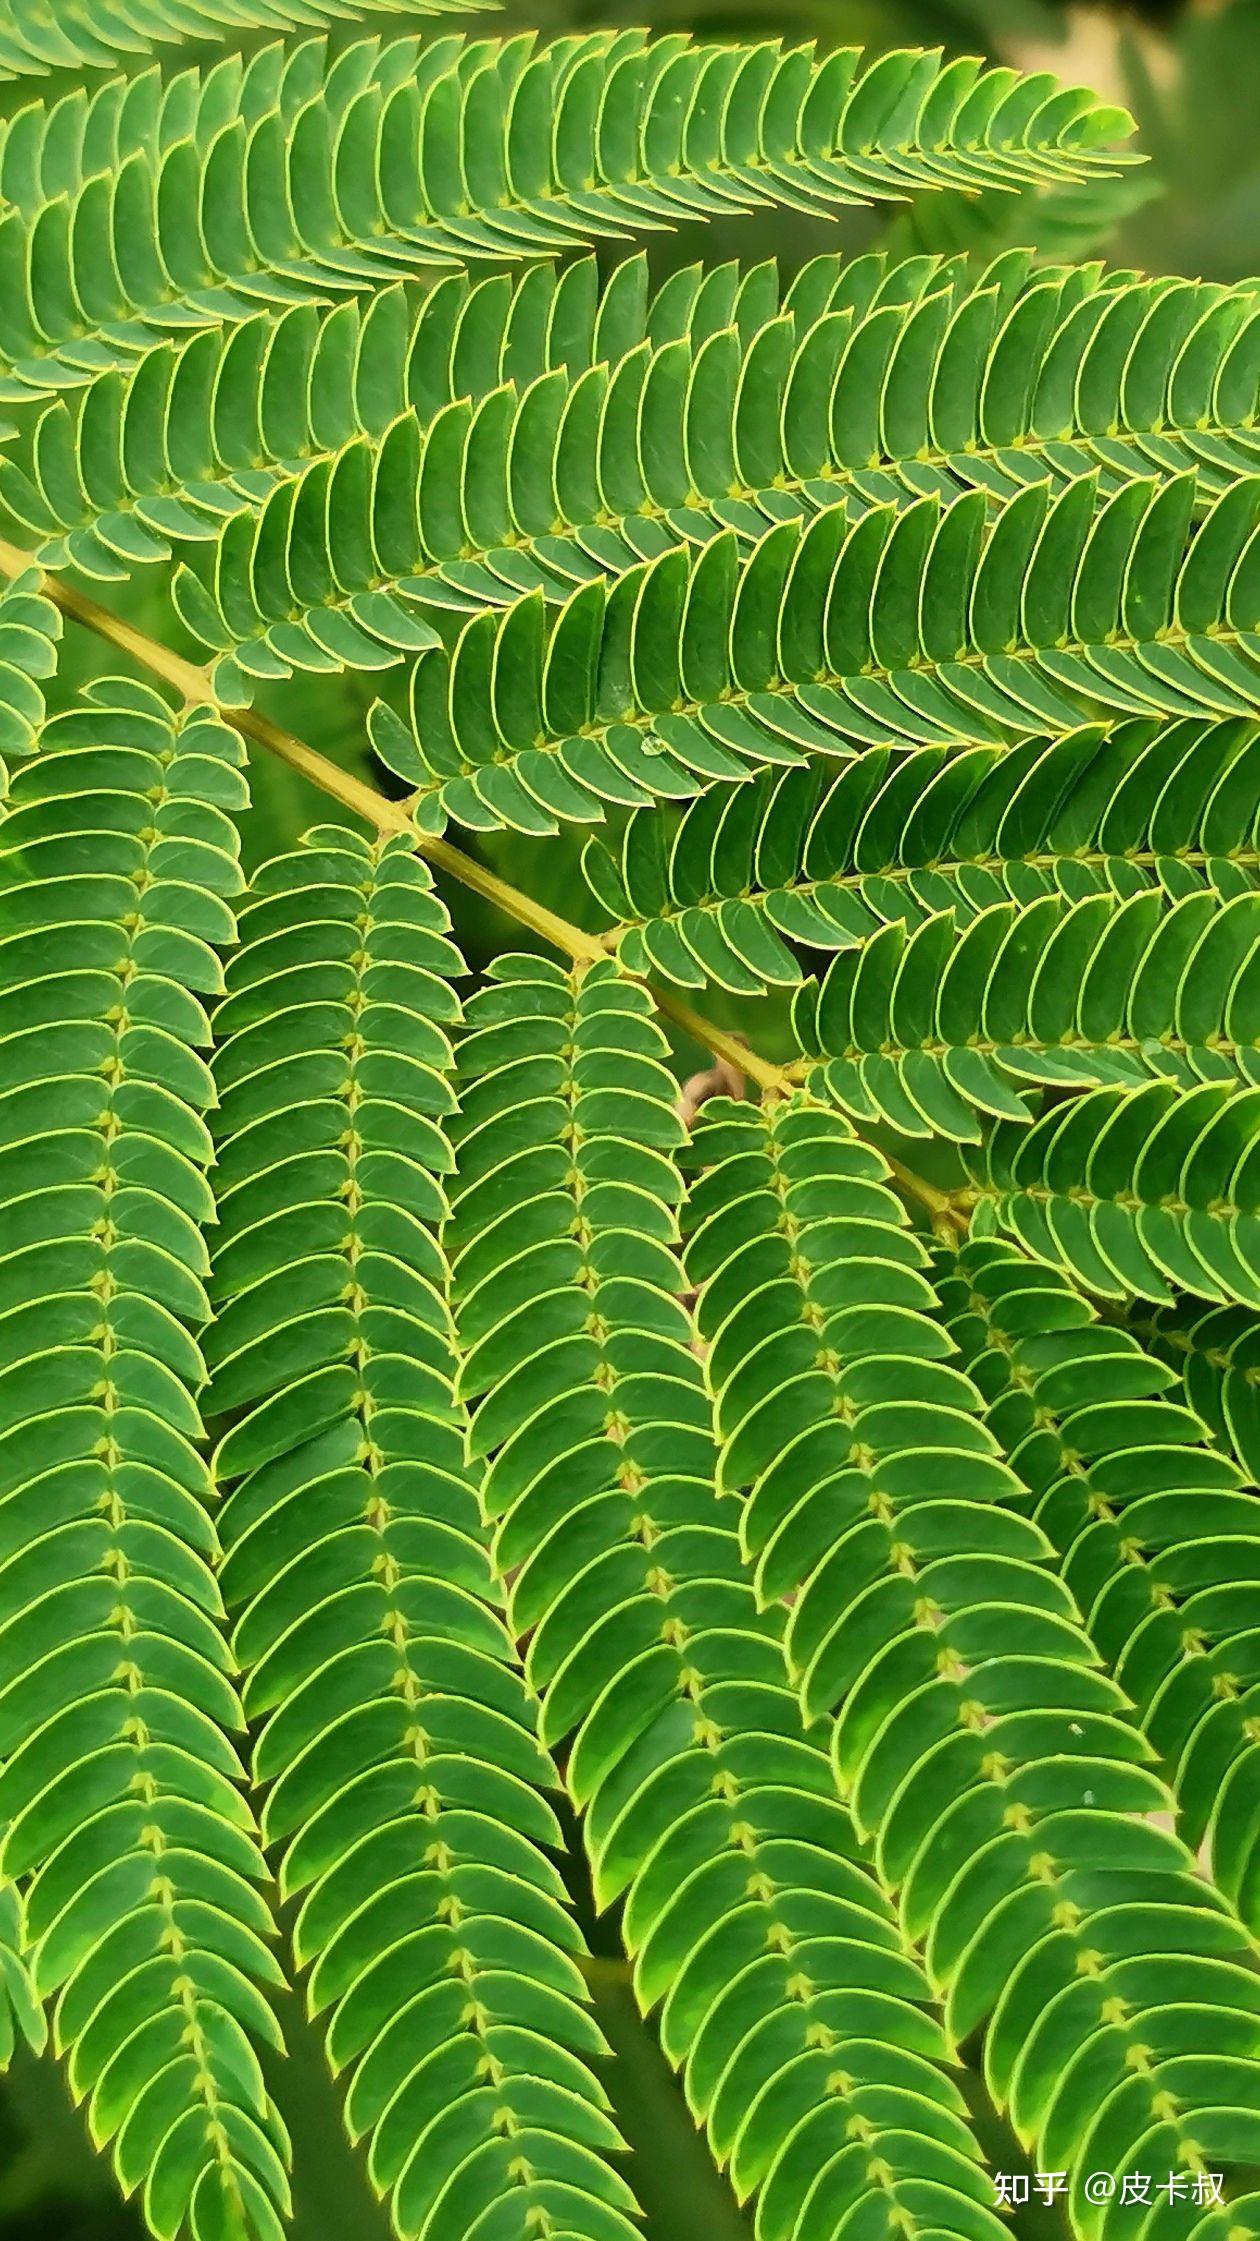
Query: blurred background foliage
x=1189, y=70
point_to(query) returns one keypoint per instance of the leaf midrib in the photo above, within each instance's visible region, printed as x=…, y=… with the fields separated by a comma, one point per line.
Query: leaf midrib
x=712, y=905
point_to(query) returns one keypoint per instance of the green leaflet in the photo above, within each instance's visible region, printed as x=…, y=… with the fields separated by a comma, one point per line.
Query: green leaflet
x=845, y=389
x=800, y=2026
x=487, y=149
x=196, y=429
x=1135, y=1193
x=91, y=33
x=692, y=671
x=30, y=630
x=730, y=889
x=875, y=1601
x=997, y=1766
x=926, y=1030
x=1159, y=1539
x=1216, y=1354
x=20, y=2012
x=121, y=1790
x=52, y=148
x=406, y=1785
x=553, y=482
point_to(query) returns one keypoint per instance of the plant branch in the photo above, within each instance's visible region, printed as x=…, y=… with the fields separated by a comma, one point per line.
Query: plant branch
x=388, y=816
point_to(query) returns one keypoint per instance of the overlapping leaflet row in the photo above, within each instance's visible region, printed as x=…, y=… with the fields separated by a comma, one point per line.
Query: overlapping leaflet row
x=1215, y=1352
x=717, y=404
x=29, y=628
x=803, y=2029
x=998, y=1766
x=871, y=384
x=931, y=626
x=1158, y=1537
x=728, y=889
x=1135, y=1193
x=106, y=244
x=53, y=147
x=931, y=1030
x=459, y=151
x=405, y=1785
x=91, y=33
x=196, y=428
x=30, y=631
x=122, y=1790
x=941, y=382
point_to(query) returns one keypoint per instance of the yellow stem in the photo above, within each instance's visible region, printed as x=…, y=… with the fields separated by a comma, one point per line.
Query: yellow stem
x=195, y=687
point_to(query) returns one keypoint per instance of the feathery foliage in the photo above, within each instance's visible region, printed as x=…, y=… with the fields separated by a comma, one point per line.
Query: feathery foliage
x=1156, y=1534
x=733, y=889
x=398, y=159
x=925, y=1030
x=870, y=381
x=35, y=39
x=478, y=1507
x=1162, y=1194
x=121, y=1794
x=929, y=626
x=993, y=1757
x=194, y=431
x=405, y=1779
x=1213, y=1352
x=749, y=1913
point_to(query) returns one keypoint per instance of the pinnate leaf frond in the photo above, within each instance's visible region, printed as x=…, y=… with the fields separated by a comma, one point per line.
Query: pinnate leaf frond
x=1214, y=1352
x=873, y=383
x=1155, y=1533
x=91, y=34
x=750, y=1913
x=925, y=1030
x=465, y=151
x=406, y=1788
x=196, y=429
x=731, y=888
x=122, y=1789
x=997, y=1764
x=695, y=671
x=1165, y=1198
